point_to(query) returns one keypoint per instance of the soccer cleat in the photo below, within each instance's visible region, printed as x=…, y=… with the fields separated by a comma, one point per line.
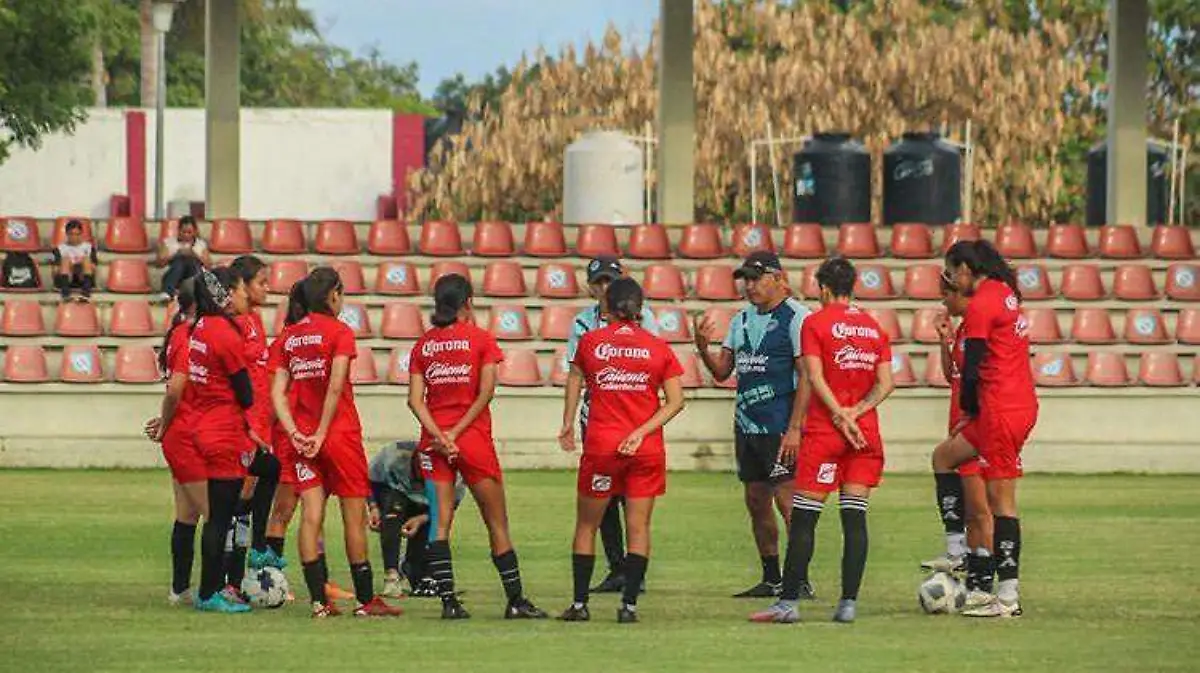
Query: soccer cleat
x=614, y=583
x=426, y=588
x=945, y=564
x=778, y=613
x=846, y=611
x=323, y=610
x=180, y=598
x=627, y=614
x=576, y=613
x=994, y=608
x=761, y=590
x=335, y=593
x=265, y=559
x=522, y=608
x=392, y=587
x=453, y=609
x=976, y=599
x=376, y=607
x=807, y=593
x=219, y=603
x=233, y=595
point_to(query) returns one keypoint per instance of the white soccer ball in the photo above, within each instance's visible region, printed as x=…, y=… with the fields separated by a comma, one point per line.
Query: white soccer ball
x=266, y=588
x=941, y=594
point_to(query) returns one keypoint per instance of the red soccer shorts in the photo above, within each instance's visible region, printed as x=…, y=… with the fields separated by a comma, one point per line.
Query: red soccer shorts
x=340, y=467
x=610, y=474
x=1002, y=435
x=281, y=444
x=476, y=459
x=971, y=468
x=183, y=458
x=260, y=420
x=826, y=461
x=225, y=446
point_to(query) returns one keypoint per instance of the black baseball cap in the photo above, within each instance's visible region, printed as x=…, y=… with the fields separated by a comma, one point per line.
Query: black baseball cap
x=758, y=263
x=604, y=267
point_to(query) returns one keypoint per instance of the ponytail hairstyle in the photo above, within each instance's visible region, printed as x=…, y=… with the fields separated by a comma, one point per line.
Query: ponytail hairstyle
x=297, y=308
x=316, y=289
x=213, y=294
x=624, y=300
x=451, y=292
x=983, y=260
x=185, y=300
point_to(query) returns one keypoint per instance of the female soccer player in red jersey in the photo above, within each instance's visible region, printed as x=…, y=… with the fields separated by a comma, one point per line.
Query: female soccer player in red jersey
x=849, y=362
x=285, y=494
x=625, y=367
x=452, y=378
x=314, y=400
x=1000, y=402
x=171, y=428
x=961, y=493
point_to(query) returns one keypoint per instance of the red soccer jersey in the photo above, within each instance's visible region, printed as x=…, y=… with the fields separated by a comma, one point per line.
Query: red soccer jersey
x=851, y=346
x=177, y=363
x=625, y=367
x=307, y=351
x=1005, y=378
x=255, y=336
x=215, y=352
x=450, y=360
x=955, y=379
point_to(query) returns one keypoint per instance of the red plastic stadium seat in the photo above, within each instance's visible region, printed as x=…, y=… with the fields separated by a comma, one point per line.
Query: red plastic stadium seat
x=520, y=368
x=858, y=241
x=1145, y=326
x=934, y=376
x=1043, y=326
x=402, y=320
x=911, y=241
x=126, y=234
x=25, y=364
x=751, y=237
x=556, y=321
x=1106, y=369
x=1119, y=241
x=440, y=238
x=355, y=317
x=664, y=281
x=559, y=367
x=336, y=237
x=545, y=239
x=81, y=364
x=60, y=230
x=1081, y=282
x=1183, y=282
x=923, y=281
x=690, y=363
x=1134, y=282
x=1066, y=241
x=963, y=231
x=77, y=320
x=924, y=325
x=804, y=241
x=510, y=323
x=594, y=240
x=283, y=237
x=397, y=278
x=231, y=237
x=351, y=273
x=284, y=274
x=720, y=317
x=1054, y=370
x=504, y=279
x=674, y=325
x=363, y=370
x=23, y=318
x=136, y=364
x=902, y=371
x=398, y=366
x=128, y=276
x=701, y=241
x=716, y=283
x=1092, y=326
x=131, y=318
x=1034, y=282
x=1160, y=369
x=649, y=241
x=889, y=321
x=1187, y=327
x=168, y=229
x=1172, y=243
x=808, y=283
x=19, y=234
x=388, y=238
x=557, y=280
x=493, y=239
x=1015, y=241
x=874, y=282
x=440, y=269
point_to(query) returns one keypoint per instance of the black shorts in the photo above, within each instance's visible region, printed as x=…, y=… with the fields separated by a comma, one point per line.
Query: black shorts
x=757, y=459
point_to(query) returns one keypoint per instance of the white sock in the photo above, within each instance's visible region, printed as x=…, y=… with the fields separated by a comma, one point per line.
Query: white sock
x=956, y=545
x=1007, y=591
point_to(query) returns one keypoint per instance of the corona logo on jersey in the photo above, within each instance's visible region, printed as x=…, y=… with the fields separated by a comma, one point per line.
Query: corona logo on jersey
x=849, y=357
x=440, y=373
x=606, y=351
x=432, y=348
x=751, y=363
x=614, y=378
x=842, y=331
x=295, y=341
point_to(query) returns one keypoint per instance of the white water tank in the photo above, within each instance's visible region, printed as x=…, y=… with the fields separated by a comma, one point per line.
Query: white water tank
x=603, y=180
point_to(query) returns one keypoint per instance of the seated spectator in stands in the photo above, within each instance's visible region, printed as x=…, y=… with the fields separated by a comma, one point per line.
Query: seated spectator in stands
x=19, y=272
x=184, y=256
x=75, y=263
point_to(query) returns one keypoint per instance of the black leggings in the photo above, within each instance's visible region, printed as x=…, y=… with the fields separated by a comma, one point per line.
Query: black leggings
x=223, y=497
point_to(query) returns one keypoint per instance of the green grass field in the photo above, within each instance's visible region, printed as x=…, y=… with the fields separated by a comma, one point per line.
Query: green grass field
x=1110, y=583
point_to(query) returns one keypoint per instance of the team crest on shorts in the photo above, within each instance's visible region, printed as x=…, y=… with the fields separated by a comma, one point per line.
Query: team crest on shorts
x=827, y=473
x=601, y=483
x=426, y=462
x=247, y=458
x=304, y=473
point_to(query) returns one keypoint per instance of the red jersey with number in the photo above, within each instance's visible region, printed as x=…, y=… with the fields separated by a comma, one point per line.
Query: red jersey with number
x=1005, y=378
x=216, y=351
x=177, y=363
x=624, y=366
x=851, y=346
x=307, y=349
x=255, y=336
x=955, y=380
x=450, y=360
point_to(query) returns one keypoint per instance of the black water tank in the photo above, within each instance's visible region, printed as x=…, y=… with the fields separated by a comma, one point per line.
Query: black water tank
x=922, y=180
x=1158, y=169
x=832, y=183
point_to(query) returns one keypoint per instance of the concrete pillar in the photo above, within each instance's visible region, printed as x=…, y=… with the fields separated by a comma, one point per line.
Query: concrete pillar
x=676, y=115
x=1127, y=27
x=222, y=103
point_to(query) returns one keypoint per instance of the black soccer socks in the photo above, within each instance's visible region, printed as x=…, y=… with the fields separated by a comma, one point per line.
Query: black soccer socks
x=854, y=544
x=441, y=570
x=183, y=552
x=364, y=582
x=316, y=574
x=635, y=573
x=801, y=541
x=770, y=569
x=951, y=506
x=510, y=573
x=1007, y=544
x=980, y=570
x=582, y=566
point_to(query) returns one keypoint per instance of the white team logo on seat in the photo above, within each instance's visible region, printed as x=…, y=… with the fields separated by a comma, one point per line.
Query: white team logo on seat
x=601, y=483
x=827, y=473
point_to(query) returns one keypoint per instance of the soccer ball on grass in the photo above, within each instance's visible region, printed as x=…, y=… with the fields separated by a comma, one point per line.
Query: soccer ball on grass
x=266, y=588
x=941, y=594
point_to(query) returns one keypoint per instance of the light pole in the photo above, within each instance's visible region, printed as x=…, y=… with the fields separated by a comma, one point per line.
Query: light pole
x=161, y=14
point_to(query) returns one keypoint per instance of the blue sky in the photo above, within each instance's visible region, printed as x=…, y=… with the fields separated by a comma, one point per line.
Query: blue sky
x=474, y=36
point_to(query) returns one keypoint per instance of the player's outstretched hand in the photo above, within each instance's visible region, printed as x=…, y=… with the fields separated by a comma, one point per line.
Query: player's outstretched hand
x=790, y=446
x=631, y=443
x=566, y=438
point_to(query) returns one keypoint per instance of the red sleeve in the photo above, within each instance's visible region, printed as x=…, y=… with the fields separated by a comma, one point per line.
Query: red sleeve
x=416, y=362
x=671, y=367
x=490, y=352
x=230, y=350
x=275, y=355
x=178, y=350
x=343, y=342
x=810, y=338
x=981, y=314
x=885, y=349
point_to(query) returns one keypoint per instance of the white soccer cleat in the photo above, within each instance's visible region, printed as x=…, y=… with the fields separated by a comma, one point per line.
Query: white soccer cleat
x=945, y=564
x=977, y=599
x=995, y=608
x=179, y=599
x=392, y=587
